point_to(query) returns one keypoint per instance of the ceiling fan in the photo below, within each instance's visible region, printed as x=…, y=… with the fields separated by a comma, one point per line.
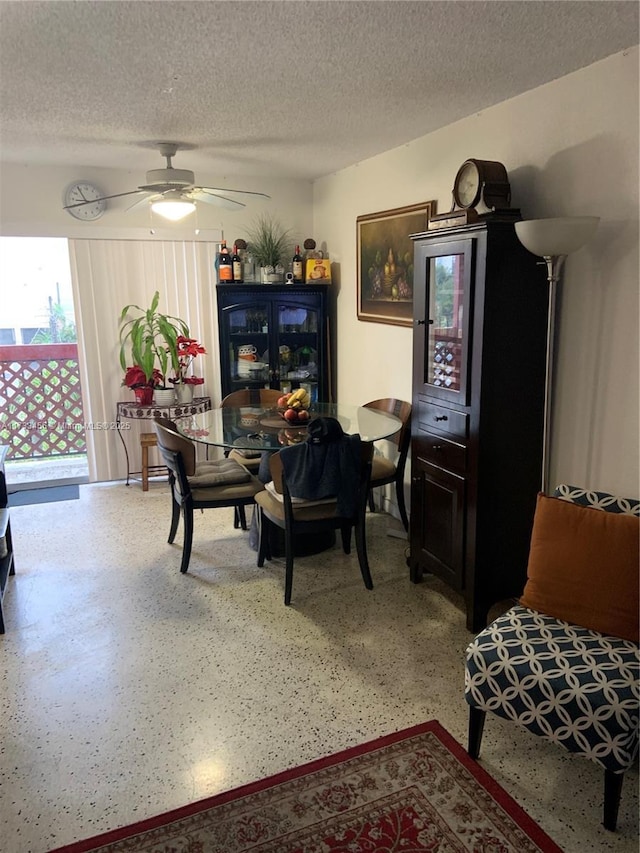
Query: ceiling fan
x=172, y=193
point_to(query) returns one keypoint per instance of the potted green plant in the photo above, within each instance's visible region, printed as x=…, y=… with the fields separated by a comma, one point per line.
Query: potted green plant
x=149, y=339
x=270, y=244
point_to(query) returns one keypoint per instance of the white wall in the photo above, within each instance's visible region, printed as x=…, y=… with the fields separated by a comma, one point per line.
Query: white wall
x=570, y=148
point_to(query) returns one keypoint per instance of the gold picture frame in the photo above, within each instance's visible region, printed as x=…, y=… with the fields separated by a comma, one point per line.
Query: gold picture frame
x=385, y=262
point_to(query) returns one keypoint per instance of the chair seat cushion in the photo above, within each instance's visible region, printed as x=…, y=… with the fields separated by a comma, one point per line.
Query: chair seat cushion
x=244, y=451
x=570, y=685
x=302, y=511
x=382, y=469
x=270, y=487
x=227, y=491
x=218, y=472
x=251, y=461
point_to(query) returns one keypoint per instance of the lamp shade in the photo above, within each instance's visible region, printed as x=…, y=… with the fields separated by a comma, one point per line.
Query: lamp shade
x=552, y=237
x=172, y=206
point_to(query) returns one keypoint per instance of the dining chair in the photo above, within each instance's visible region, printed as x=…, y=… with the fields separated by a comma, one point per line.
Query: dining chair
x=298, y=516
x=205, y=485
x=249, y=459
x=385, y=471
x=250, y=397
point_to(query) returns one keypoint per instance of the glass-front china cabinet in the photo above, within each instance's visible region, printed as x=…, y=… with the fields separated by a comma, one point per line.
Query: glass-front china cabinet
x=275, y=336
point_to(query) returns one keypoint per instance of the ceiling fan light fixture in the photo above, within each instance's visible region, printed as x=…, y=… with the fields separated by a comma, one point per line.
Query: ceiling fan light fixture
x=169, y=192
x=173, y=209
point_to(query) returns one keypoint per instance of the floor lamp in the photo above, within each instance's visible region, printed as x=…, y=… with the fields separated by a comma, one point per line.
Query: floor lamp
x=553, y=240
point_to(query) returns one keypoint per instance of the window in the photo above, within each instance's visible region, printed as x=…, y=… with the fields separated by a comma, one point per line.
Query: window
x=37, y=300
x=27, y=335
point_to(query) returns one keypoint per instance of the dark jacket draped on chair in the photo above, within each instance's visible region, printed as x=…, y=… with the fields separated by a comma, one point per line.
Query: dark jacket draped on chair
x=318, y=471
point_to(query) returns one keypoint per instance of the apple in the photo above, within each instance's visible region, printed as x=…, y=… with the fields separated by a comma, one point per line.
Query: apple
x=282, y=401
x=303, y=415
x=291, y=415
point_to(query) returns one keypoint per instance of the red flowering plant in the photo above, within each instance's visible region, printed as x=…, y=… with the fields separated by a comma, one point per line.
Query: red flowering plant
x=135, y=377
x=188, y=349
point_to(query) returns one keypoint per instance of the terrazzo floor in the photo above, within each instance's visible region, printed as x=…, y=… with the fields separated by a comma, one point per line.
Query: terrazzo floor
x=128, y=689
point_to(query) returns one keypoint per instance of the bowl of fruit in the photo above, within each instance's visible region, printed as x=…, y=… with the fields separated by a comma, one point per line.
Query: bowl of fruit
x=294, y=407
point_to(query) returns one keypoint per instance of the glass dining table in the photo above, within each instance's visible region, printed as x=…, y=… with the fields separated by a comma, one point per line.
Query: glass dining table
x=258, y=428
x=263, y=428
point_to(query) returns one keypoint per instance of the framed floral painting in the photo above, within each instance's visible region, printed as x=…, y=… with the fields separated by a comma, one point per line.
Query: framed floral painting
x=385, y=262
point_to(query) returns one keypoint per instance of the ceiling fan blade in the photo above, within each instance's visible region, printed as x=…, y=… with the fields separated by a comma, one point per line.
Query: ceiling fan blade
x=202, y=194
x=103, y=198
x=229, y=190
x=147, y=197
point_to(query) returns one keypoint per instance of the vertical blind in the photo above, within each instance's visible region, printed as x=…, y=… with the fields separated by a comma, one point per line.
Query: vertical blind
x=106, y=276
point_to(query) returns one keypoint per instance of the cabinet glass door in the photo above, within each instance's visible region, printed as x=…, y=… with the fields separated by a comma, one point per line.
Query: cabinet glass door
x=446, y=320
x=248, y=336
x=299, y=355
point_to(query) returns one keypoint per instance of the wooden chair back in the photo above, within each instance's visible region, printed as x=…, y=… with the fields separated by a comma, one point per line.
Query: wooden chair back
x=252, y=397
x=401, y=409
x=170, y=440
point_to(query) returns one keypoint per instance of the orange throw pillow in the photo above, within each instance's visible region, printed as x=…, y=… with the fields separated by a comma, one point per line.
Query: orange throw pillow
x=584, y=566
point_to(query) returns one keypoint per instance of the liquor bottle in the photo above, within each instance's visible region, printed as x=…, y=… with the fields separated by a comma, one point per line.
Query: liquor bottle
x=236, y=266
x=296, y=267
x=225, y=270
x=249, y=267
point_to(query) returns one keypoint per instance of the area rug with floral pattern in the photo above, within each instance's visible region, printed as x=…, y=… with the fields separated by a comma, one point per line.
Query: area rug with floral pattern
x=412, y=791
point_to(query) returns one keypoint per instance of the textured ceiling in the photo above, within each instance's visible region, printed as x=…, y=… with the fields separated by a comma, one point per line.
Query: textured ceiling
x=295, y=89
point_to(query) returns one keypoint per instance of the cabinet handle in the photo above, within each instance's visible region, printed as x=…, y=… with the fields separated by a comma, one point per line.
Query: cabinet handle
x=441, y=418
x=420, y=322
x=436, y=447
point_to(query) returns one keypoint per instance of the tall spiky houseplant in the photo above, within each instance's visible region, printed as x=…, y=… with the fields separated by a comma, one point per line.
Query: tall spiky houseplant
x=150, y=339
x=269, y=243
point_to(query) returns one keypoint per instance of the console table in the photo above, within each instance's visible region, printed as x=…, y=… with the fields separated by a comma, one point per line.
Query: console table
x=132, y=410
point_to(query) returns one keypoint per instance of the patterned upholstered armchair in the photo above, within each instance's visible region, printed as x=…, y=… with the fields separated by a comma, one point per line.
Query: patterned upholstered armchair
x=564, y=663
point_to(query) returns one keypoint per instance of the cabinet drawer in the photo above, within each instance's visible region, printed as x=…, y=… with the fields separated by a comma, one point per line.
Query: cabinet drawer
x=449, y=421
x=440, y=452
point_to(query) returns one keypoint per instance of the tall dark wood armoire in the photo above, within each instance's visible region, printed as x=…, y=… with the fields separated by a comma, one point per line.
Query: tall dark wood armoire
x=479, y=357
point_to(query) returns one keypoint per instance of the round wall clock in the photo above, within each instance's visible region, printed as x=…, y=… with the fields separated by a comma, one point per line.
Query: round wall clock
x=84, y=201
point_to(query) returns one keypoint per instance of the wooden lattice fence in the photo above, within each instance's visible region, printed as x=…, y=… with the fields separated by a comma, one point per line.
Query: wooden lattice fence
x=40, y=401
